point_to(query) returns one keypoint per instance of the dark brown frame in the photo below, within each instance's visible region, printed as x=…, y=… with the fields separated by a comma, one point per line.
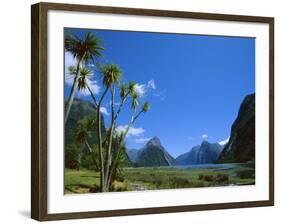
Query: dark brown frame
x=39, y=110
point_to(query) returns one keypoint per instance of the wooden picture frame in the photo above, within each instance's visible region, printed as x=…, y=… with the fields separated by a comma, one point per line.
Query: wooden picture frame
x=39, y=110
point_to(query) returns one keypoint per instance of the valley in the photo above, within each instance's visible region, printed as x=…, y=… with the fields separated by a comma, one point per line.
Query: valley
x=152, y=167
x=152, y=178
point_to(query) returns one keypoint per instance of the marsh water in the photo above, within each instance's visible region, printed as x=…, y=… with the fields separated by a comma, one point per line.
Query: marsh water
x=223, y=166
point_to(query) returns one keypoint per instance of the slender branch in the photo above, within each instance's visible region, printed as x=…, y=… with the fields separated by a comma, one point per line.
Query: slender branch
x=110, y=137
x=92, y=95
x=136, y=117
x=100, y=149
x=103, y=95
x=120, y=106
x=100, y=141
x=112, y=90
x=133, y=120
x=72, y=90
x=88, y=146
x=91, y=151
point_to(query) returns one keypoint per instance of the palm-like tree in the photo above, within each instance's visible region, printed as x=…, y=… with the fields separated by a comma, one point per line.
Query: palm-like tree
x=132, y=87
x=84, y=132
x=83, y=50
x=145, y=107
x=111, y=76
x=123, y=91
x=110, y=148
x=83, y=79
x=118, y=152
x=85, y=127
x=135, y=102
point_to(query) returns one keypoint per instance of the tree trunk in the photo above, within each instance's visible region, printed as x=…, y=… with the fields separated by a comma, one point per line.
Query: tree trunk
x=109, y=149
x=93, y=155
x=88, y=146
x=102, y=184
x=72, y=92
x=113, y=166
x=109, y=153
x=114, y=163
x=100, y=147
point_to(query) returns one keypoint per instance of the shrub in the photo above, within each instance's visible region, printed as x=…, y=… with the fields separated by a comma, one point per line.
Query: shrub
x=222, y=178
x=158, y=182
x=209, y=178
x=119, y=186
x=94, y=189
x=72, y=156
x=88, y=162
x=200, y=177
x=245, y=174
x=120, y=177
x=177, y=182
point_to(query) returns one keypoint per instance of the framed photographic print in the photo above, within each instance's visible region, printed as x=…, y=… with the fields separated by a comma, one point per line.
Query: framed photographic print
x=139, y=111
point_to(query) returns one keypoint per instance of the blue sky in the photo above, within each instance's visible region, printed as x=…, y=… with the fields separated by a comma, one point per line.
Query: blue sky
x=195, y=84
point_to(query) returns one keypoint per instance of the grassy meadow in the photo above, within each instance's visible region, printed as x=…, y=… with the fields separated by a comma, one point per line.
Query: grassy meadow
x=138, y=179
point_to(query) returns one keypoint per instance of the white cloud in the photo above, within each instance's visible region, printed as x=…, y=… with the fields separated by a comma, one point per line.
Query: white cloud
x=91, y=65
x=136, y=131
x=151, y=84
x=115, y=103
x=142, y=140
x=69, y=79
x=223, y=142
x=204, y=136
x=93, y=86
x=104, y=111
x=69, y=60
x=142, y=89
x=160, y=94
x=132, y=131
x=121, y=128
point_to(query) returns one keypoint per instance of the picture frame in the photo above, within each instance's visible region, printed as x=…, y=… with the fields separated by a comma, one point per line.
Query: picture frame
x=40, y=101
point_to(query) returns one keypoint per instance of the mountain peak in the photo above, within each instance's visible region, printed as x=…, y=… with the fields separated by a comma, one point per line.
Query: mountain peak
x=205, y=142
x=152, y=154
x=154, y=141
x=205, y=153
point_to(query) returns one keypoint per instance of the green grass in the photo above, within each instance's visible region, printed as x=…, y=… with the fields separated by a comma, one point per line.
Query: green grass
x=80, y=181
x=161, y=178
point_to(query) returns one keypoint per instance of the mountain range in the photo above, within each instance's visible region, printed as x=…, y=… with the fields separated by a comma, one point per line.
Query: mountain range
x=154, y=154
x=200, y=154
x=239, y=148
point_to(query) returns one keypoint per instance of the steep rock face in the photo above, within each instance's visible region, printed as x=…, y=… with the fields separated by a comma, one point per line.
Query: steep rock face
x=208, y=153
x=133, y=154
x=189, y=157
x=201, y=154
x=153, y=154
x=241, y=145
x=79, y=110
x=76, y=155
